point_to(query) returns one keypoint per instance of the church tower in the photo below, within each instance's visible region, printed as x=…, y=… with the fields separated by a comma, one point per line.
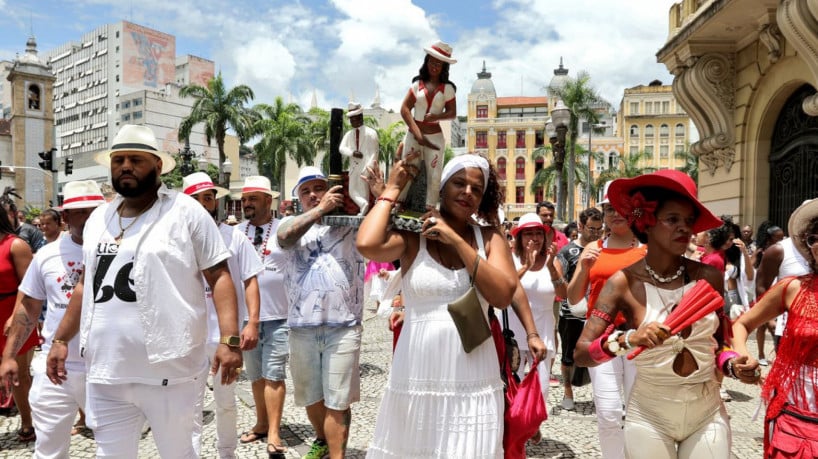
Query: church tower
x=32, y=125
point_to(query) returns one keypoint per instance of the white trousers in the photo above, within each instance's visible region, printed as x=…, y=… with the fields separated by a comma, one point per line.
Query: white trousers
x=224, y=396
x=612, y=382
x=53, y=410
x=117, y=412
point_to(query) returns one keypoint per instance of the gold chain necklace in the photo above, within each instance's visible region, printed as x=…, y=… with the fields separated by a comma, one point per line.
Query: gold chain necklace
x=122, y=229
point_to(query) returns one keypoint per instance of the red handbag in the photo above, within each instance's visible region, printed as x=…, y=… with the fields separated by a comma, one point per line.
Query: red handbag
x=525, y=407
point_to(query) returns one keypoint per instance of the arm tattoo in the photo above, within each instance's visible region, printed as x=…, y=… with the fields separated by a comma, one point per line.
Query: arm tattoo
x=24, y=326
x=291, y=231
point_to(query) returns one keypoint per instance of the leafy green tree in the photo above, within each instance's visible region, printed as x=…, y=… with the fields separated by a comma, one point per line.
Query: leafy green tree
x=388, y=141
x=219, y=109
x=548, y=176
x=581, y=98
x=284, y=131
x=173, y=179
x=627, y=166
x=691, y=163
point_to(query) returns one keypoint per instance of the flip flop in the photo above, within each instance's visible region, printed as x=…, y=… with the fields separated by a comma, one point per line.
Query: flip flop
x=250, y=436
x=78, y=429
x=276, y=451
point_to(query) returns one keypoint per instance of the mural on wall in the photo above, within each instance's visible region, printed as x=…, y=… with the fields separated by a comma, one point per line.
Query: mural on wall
x=201, y=71
x=149, y=57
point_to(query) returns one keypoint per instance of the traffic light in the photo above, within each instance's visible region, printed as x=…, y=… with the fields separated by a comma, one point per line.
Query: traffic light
x=48, y=159
x=69, y=166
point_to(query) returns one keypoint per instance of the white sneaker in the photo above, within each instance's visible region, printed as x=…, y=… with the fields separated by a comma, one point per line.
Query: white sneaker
x=725, y=395
x=567, y=403
x=763, y=362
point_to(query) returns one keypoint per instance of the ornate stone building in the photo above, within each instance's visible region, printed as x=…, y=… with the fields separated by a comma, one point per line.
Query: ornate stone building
x=746, y=73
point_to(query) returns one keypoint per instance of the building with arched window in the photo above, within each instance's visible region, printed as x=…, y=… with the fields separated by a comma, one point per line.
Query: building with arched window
x=747, y=72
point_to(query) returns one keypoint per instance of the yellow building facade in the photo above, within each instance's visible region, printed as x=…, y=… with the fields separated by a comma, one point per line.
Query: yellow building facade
x=653, y=122
x=746, y=71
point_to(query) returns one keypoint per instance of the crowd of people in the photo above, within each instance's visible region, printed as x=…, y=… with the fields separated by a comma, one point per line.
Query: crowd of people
x=144, y=296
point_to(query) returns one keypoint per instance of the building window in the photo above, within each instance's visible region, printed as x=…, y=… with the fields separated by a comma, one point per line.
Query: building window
x=482, y=111
x=501, y=168
x=520, y=139
x=613, y=160
x=137, y=115
x=137, y=102
x=664, y=130
x=539, y=139
x=663, y=151
x=680, y=130
x=501, y=139
x=634, y=108
x=126, y=117
x=666, y=107
x=520, y=195
x=649, y=151
x=634, y=150
x=117, y=78
x=634, y=131
x=126, y=104
x=649, y=108
x=649, y=131
x=519, y=166
x=481, y=140
x=539, y=163
x=680, y=148
x=540, y=196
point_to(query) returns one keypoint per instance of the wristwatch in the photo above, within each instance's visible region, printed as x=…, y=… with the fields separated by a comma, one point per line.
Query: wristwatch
x=613, y=343
x=232, y=341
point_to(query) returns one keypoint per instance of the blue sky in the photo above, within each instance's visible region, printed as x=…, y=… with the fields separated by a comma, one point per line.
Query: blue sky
x=342, y=49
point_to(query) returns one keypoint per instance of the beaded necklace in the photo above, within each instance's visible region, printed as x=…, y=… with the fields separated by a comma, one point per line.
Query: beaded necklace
x=262, y=249
x=664, y=280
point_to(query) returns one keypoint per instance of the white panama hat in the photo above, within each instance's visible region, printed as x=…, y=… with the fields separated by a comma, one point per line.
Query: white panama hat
x=133, y=137
x=441, y=51
x=354, y=109
x=307, y=174
x=81, y=194
x=197, y=182
x=258, y=183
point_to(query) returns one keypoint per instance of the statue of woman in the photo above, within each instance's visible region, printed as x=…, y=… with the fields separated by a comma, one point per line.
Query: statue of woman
x=430, y=99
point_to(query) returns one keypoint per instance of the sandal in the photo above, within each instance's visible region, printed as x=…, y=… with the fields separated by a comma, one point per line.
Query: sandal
x=537, y=438
x=251, y=436
x=276, y=451
x=26, y=434
x=78, y=429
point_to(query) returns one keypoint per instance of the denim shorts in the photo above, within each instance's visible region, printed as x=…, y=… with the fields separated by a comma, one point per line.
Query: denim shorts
x=325, y=366
x=268, y=359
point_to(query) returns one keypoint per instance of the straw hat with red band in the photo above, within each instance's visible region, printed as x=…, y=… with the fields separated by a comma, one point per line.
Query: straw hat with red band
x=197, y=182
x=441, y=51
x=81, y=194
x=260, y=184
x=624, y=197
x=799, y=220
x=529, y=220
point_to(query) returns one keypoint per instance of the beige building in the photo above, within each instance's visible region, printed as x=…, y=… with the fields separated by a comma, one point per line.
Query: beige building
x=653, y=122
x=746, y=72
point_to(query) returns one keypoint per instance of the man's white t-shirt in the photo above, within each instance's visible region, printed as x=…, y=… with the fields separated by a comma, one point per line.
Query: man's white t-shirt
x=271, y=280
x=243, y=264
x=51, y=277
x=115, y=349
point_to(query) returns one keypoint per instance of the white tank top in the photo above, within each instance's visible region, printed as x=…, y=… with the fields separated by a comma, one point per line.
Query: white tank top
x=793, y=263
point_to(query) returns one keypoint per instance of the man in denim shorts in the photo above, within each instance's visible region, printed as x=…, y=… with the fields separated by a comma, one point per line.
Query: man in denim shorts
x=324, y=278
x=266, y=364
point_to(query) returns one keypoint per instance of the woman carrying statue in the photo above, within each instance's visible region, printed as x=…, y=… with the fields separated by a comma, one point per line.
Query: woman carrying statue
x=430, y=99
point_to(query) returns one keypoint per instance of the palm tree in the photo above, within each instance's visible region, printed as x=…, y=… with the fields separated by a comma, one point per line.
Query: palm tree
x=627, y=167
x=580, y=97
x=219, y=109
x=285, y=132
x=691, y=163
x=388, y=141
x=548, y=176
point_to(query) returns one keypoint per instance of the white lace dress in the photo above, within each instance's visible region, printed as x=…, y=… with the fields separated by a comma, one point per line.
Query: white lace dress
x=439, y=402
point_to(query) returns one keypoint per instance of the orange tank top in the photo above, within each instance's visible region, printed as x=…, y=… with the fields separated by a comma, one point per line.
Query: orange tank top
x=609, y=262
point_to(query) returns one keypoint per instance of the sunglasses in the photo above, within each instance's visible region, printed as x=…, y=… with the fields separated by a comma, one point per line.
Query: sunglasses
x=258, y=239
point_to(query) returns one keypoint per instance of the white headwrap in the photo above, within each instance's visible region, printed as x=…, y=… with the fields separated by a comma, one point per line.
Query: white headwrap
x=461, y=162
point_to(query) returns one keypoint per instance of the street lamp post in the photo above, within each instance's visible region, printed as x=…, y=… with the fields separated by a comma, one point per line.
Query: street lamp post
x=591, y=128
x=227, y=169
x=556, y=132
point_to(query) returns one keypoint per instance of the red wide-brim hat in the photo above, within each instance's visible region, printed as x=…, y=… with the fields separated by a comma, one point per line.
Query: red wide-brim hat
x=621, y=190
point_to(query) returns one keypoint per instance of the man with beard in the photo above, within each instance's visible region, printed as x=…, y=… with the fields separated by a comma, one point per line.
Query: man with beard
x=570, y=326
x=266, y=364
x=324, y=277
x=52, y=275
x=140, y=307
x=244, y=267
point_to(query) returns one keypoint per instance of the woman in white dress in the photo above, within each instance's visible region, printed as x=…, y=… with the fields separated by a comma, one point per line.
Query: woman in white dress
x=440, y=401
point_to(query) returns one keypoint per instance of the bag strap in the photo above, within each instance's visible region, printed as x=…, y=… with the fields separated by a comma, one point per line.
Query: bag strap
x=505, y=319
x=474, y=270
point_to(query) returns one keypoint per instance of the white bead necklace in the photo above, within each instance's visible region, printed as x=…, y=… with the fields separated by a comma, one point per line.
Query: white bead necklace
x=665, y=280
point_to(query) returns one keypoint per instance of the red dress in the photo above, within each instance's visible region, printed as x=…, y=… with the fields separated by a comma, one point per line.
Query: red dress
x=8, y=291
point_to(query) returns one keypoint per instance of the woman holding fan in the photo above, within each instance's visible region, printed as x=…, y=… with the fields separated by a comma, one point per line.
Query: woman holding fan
x=674, y=409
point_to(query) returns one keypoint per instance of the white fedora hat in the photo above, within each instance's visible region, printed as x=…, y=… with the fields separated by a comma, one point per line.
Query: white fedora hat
x=197, y=182
x=258, y=183
x=133, y=137
x=354, y=109
x=441, y=51
x=308, y=174
x=81, y=194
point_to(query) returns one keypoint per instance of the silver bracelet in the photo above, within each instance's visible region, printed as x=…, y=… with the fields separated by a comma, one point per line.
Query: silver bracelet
x=628, y=334
x=558, y=282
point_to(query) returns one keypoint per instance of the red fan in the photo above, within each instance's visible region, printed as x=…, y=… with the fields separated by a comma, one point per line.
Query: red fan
x=698, y=302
